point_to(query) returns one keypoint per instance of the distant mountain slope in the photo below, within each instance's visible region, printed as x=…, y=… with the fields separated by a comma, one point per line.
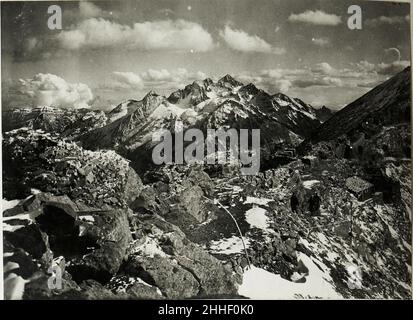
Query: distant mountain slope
x=67, y=122
x=386, y=104
x=122, y=109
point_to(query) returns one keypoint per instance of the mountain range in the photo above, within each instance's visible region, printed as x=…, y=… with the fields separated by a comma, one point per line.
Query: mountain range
x=227, y=103
x=327, y=216
x=284, y=122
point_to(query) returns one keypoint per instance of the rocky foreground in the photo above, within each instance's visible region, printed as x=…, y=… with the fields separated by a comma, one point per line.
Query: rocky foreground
x=328, y=216
x=77, y=215
x=116, y=237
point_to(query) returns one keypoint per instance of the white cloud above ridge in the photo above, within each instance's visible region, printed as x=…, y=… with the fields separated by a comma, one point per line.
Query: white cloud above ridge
x=362, y=74
x=152, y=79
x=387, y=20
x=89, y=10
x=239, y=40
x=127, y=80
x=180, y=75
x=323, y=68
x=52, y=90
x=48, y=89
x=392, y=68
x=324, y=81
x=316, y=17
x=178, y=35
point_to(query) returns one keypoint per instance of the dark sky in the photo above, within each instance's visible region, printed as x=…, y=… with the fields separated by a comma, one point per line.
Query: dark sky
x=109, y=51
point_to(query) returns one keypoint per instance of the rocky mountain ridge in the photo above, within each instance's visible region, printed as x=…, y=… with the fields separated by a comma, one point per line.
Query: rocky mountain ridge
x=283, y=121
x=333, y=222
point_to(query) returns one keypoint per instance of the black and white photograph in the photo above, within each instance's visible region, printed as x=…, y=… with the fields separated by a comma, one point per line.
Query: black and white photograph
x=206, y=149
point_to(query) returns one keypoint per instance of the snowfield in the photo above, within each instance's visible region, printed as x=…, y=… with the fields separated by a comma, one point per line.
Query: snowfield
x=260, y=284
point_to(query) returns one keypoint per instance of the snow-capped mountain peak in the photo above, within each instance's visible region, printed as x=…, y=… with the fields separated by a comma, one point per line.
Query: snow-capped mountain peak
x=229, y=82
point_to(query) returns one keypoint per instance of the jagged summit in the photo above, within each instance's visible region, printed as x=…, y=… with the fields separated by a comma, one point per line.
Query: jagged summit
x=194, y=92
x=208, y=81
x=151, y=93
x=229, y=80
x=250, y=88
x=204, y=104
x=151, y=97
x=281, y=96
x=142, y=107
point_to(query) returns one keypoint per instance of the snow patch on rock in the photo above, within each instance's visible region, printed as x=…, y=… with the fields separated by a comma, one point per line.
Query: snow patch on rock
x=228, y=246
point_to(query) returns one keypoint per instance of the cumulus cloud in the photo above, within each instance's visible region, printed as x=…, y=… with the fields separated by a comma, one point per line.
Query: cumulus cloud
x=384, y=20
x=384, y=68
x=180, y=35
x=321, y=42
x=317, y=17
x=282, y=85
x=392, y=68
x=324, y=81
x=51, y=90
x=249, y=78
x=89, y=10
x=273, y=73
x=323, y=68
x=363, y=73
x=72, y=39
x=127, y=80
x=365, y=66
x=152, y=79
x=319, y=75
x=31, y=43
x=157, y=75
x=241, y=41
x=270, y=80
x=180, y=75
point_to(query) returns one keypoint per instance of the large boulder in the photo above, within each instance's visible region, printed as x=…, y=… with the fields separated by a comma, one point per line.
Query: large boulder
x=34, y=159
x=198, y=177
x=190, y=201
x=173, y=281
x=163, y=257
x=176, y=193
x=92, y=244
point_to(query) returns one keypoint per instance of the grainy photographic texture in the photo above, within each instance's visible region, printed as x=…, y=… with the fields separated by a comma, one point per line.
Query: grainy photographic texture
x=206, y=149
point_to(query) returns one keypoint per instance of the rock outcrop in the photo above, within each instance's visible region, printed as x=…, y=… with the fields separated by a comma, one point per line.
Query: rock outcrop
x=163, y=257
x=39, y=160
